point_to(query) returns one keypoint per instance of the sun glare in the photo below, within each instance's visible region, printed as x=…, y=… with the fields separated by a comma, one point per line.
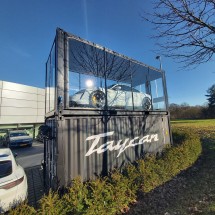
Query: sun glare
x=89, y=83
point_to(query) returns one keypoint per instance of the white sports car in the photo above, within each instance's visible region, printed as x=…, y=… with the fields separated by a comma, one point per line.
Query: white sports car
x=13, y=181
x=118, y=96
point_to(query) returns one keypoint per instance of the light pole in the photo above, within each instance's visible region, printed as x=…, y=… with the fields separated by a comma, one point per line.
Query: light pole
x=159, y=58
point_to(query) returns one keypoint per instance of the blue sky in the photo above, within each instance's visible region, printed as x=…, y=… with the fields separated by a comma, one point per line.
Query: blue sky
x=27, y=30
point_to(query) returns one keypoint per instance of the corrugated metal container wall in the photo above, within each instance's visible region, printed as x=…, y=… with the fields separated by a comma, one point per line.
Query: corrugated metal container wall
x=50, y=154
x=88, y=146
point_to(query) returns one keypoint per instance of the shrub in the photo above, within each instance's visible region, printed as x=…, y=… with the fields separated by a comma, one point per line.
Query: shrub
x=75, y=200
x=51, y=204
x=174, y=159
x=23, y=209
x=101, y=196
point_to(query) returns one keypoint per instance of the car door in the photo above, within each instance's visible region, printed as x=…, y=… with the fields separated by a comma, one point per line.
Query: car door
x=128, y=97
x=116, y=96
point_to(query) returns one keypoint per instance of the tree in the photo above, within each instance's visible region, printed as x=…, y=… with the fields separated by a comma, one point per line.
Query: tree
x=185, y=111
x=211, y=102
x=185, y=29
x=211, y=96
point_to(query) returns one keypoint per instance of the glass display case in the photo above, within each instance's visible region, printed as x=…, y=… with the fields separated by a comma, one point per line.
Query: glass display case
x=103, y=110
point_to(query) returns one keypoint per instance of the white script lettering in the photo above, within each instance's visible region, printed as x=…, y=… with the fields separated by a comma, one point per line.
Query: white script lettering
x=121, y=146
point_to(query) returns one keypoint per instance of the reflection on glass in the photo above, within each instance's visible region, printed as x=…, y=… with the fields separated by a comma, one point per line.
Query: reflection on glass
x=158, y=95
x=102, y=79
x=50, y=81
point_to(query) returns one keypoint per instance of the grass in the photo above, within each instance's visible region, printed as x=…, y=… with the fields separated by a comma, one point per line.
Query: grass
x=205, y=128
x=194, y=123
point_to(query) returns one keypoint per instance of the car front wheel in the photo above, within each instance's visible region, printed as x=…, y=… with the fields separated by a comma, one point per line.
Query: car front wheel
x=97, y=99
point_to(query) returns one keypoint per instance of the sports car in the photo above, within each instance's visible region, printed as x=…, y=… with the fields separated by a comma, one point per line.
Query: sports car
x=118, y=96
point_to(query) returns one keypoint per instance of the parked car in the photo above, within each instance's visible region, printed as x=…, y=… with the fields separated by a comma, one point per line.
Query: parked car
x=18, y=138
x=13, y=181
x=118, y=95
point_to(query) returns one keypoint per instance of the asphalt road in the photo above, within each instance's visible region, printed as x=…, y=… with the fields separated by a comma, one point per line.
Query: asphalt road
x=29, y=156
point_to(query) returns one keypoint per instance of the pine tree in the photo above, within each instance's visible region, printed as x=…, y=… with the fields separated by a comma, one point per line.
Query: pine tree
x=211, y=96
x=211, y=101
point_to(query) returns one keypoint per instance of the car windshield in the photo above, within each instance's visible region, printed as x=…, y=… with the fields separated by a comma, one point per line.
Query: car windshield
x=18, y=134
x=5, y=168
x=122, y=87
x=109, y=87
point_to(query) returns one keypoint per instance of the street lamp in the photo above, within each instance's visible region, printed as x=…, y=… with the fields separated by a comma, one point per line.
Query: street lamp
x=159, y=58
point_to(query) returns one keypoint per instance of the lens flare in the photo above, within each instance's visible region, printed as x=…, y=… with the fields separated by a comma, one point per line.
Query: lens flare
x=89, y=83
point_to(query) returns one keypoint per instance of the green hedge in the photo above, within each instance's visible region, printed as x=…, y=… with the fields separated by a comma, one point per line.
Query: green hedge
x=113, y=194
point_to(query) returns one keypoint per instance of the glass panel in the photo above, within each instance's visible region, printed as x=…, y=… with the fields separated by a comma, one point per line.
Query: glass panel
x=81, y=88
x=158, y=95
x=140, y=81
x=97, y=74
x=47, y=85
x=118, y=74
x=51, y=80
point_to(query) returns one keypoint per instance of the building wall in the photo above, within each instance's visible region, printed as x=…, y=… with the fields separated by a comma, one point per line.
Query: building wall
x=21, y=103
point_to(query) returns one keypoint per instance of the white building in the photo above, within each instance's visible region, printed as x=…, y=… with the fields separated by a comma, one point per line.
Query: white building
x=21, y=105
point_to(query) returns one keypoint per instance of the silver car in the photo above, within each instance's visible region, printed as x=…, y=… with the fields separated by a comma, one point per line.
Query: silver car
x=118, y=96
x=18, y=138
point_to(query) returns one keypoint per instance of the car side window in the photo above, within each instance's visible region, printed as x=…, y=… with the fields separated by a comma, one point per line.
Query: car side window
x=125, y=88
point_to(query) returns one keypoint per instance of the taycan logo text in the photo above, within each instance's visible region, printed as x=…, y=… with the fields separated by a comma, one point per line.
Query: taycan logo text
x=121, y=145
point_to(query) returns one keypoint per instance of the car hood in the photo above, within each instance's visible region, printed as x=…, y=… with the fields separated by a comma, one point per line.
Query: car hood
x=21, y=138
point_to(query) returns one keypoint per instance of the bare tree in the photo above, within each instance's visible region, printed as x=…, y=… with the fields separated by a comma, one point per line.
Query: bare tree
x=185, y=29
x=100, y=63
